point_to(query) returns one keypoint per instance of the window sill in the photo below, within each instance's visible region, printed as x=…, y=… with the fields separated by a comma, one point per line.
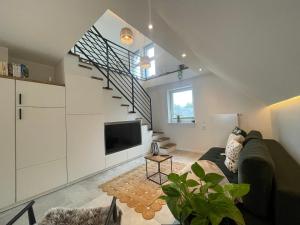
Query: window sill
x=182, y=123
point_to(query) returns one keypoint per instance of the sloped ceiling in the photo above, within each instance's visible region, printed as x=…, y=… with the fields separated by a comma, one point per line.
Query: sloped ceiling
x=253, y=44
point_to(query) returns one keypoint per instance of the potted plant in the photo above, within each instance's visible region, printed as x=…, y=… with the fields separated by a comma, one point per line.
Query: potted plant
x=203, y=201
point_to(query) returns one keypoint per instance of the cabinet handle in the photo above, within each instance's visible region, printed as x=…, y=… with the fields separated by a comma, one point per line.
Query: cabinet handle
x=20, y=99
x=20, y=114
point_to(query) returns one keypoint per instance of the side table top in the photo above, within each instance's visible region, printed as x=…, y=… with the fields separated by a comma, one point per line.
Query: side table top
x=158, y=158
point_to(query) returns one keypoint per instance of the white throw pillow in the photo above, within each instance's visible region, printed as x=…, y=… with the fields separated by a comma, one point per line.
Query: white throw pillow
x=232, y=152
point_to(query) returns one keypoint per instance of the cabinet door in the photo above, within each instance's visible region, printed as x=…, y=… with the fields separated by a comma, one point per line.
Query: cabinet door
x=34, y=180
x=40, y=135
x=39, y=95
x=83, y=94
x=7, y=142
x=85, y=145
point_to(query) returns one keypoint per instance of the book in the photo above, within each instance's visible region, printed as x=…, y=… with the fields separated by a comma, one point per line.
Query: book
x=16, y=70
x=3, y=68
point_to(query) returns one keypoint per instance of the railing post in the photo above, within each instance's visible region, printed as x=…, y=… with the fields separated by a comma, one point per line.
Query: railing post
x=129, y=61
x=107, y=64
x=151, y=114
x=132, y=93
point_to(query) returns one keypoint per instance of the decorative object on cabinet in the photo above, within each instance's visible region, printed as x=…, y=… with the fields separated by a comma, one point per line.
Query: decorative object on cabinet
x=3, y=68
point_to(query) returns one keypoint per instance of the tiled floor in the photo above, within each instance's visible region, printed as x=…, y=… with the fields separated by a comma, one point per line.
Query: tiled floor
x=87, y=193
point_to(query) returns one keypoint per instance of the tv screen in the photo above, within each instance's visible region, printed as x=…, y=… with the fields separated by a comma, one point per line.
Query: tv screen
x=122, y=135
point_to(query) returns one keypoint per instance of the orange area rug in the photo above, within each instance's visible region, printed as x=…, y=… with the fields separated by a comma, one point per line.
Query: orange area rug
x=139, y=193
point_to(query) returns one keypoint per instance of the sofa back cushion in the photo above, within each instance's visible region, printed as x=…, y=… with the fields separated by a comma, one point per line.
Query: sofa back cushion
x=253, y=134
x=256, y=168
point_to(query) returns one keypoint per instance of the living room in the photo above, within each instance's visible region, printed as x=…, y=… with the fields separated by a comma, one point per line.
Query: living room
x=172, y=113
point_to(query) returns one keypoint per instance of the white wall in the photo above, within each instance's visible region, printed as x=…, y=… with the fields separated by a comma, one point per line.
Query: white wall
x=212, y=96
x=3, y=53
x=286, y=125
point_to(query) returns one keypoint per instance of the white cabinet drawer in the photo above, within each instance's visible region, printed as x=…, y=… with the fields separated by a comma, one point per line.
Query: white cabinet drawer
x=40, y=135
x=7, y=142
x=135, y=151
x=39, y=95
x=84, y=95
x=116, y=158
x=85, y=148
x=38, y=179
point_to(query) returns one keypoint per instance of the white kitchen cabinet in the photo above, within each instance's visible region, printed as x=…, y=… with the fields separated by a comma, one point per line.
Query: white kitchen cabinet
x=84, y=95
x=85, y=145
x=39, y=95
x=40, y=135
x=7, y=141
x=40, y=178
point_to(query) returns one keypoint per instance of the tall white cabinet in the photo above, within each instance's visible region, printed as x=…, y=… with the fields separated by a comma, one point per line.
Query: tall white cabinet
x=7, y=140
x=85, y=121
x=40, y=138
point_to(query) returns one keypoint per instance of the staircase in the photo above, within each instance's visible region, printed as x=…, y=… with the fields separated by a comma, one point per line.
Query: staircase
x=164, y=144
x=115, y=64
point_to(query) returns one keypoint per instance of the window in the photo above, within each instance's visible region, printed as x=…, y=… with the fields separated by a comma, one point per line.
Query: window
x=135, y=68
x=149, y=51
x=181, y=106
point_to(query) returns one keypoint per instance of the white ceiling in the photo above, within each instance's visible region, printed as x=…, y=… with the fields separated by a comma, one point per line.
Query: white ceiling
x=253, y=44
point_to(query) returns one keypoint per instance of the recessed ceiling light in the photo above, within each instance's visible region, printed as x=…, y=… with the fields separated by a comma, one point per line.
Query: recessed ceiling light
x=150, y=26
x=183, y=55
x=200, y=69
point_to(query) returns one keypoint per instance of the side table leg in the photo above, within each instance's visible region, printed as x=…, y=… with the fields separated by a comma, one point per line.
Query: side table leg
x=159, y=173
x=146, y=169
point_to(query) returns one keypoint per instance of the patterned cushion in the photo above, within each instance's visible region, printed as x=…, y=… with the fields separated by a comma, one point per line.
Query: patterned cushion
x=238, y=138
x=232, y=155
x=231, y=165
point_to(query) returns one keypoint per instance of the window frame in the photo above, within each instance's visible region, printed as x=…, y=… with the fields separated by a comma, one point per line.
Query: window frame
x=183, y=120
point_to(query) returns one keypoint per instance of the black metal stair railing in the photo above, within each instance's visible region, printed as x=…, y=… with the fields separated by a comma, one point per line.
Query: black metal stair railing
x=115, y=63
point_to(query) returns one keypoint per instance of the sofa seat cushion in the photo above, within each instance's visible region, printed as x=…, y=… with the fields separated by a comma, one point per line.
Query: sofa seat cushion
x=214, y=155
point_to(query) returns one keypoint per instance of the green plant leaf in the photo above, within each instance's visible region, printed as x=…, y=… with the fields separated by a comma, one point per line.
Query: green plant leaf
x=185, y=213
x=169, y=190
x=192, y=183
x=183, y=177
x=215, y=219
x=235, y=214
x=163, y=197
x=204, y=188
x=237, y=190
x=200, y=205
x=213, y=196
x=199, y=221
x=213, y=178
x=174, y=207
x=173, y=177
x=222, y=207
x=218, y=188
x=198, y=170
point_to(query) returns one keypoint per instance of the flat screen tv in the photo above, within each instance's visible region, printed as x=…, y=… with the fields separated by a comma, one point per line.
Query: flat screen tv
x=122, y=135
